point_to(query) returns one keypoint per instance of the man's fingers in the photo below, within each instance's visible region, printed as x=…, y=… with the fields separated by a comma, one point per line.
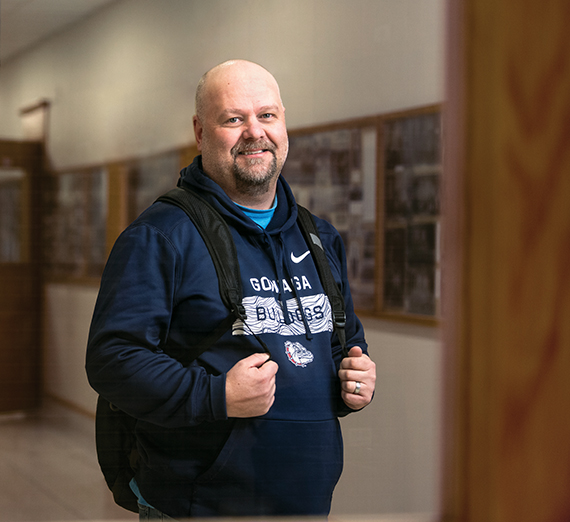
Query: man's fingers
x=362, y=363
x=256, y=359
x=351, y=375
x=250, y=386
x=354, y=387
x=357, y=376
x=355, y=351
x=261, y=362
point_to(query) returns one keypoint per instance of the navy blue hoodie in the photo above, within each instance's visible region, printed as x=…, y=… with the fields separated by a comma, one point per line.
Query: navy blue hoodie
x=159, y=295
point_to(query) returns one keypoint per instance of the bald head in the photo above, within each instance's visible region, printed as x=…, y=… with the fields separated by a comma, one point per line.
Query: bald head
x=240, y=131
x=228, y=74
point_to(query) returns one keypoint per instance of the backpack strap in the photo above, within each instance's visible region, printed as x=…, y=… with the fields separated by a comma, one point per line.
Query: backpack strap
x=218, y=238
x=309, y=229
x=216, y=234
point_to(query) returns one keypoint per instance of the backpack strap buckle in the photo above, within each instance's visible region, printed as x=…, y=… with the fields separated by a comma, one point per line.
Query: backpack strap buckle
x=339, y=318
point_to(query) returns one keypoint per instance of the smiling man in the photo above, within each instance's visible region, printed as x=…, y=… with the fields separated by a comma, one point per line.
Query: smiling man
x=240, y=130
x=236, y=432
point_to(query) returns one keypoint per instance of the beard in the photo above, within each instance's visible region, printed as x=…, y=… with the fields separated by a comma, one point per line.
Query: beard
x=253, y=179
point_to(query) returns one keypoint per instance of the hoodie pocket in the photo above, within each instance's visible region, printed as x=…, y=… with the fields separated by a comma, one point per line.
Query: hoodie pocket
x=220, y=489
x=272, y=468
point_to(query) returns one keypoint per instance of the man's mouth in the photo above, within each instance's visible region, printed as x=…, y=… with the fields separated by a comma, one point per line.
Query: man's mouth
x=253, y=149
x=252, y=152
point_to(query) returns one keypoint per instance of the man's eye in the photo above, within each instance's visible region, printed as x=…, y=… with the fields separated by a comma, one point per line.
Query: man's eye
x=235, y=119
x=267, y=116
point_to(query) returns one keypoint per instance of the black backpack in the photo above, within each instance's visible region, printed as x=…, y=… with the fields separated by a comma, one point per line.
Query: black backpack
x=114, y=429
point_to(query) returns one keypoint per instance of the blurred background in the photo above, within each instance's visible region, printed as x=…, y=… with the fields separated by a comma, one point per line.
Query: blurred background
x=461, y=280
x=96, y=105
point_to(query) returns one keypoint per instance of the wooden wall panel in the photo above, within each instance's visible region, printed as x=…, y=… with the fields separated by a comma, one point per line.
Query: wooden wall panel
x=508, y=335
x=20, y=288
x=19, y=328
x=117, y=216
x=187, y=155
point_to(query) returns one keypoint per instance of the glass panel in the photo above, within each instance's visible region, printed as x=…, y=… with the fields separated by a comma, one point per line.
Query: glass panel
x=97, y=248
x=11, y=181
x=412, y=211
x=75, y=206
x=149, y=178
x=70, y=223
x=333, y=174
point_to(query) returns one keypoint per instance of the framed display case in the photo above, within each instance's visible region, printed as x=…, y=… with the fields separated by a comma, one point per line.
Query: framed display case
x=411, y=176
x=75, y=219
x=332, y=172
x=77, y=216
x=376, y=179
x=150, y=177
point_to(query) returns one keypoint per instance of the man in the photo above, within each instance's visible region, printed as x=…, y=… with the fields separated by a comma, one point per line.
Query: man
x=236, y=432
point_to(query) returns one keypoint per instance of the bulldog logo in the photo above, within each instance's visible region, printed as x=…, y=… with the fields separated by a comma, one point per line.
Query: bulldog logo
x=298, y=354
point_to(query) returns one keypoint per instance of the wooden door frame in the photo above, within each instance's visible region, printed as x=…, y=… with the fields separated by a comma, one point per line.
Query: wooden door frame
x=506, y=253
x=29, y=157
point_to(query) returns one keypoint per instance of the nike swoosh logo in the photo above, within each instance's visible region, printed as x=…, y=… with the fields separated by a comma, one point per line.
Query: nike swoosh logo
x=296, y=259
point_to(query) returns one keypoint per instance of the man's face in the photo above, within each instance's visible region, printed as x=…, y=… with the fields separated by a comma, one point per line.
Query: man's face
x=242, y=134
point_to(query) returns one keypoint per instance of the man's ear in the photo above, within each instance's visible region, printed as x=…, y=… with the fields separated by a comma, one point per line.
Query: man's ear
x=198, y=132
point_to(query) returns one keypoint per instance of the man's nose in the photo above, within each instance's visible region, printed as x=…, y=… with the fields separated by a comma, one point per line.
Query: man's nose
x=253, y=129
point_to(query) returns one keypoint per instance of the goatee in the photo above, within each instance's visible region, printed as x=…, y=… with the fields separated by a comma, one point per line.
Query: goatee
x=250, y=180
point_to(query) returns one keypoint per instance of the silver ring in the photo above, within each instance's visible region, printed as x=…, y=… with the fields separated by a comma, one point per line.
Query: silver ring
x=357, y=389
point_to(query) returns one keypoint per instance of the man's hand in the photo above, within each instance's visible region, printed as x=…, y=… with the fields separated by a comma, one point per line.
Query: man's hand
x=354, y=369
x=250, y=386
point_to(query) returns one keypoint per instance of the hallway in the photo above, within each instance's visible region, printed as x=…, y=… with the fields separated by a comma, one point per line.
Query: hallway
x=49, y=470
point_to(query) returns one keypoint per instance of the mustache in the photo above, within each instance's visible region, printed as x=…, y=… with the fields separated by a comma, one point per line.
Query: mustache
x=249, y=146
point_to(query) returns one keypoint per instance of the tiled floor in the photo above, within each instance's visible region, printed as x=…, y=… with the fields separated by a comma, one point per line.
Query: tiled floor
x=49, y=470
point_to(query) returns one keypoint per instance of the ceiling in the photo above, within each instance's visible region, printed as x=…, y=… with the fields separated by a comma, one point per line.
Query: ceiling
x=24, y=23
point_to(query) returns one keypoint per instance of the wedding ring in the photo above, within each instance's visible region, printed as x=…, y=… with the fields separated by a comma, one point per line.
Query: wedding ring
x=357, y=389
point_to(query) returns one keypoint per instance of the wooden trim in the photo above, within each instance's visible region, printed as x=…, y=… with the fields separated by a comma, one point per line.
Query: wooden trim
x=414, y=111
x=40, y=104
x=86, y=281
x=70, y=405
x=401, y=318
x=366, y=121
x=187, y=155
x=409, y=318
x=454, y=440
x=507, y=456
x=369, y=121
x=380, y=221
x=127, y=160
x=117, y=204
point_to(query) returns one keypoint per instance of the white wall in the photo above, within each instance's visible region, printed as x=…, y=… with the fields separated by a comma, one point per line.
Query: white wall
x=121, y=84
x=392, y=447
x=67, y=316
